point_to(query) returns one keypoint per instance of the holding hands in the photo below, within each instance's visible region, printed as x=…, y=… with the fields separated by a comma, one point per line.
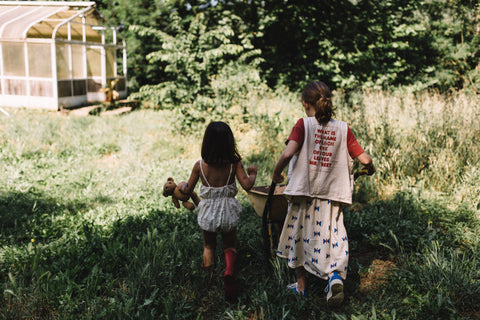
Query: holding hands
x=369, y=169
x=252, y=170
x=278, y=178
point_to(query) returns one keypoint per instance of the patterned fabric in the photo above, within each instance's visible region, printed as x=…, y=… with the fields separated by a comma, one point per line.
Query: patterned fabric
x=218, y=210
x=314, y=237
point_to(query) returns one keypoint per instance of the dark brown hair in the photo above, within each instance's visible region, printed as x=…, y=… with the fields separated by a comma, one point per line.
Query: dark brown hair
x=218, y=146
x=318, y=95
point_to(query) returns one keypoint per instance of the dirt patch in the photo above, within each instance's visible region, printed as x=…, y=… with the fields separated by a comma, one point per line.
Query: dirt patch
x=376, y=275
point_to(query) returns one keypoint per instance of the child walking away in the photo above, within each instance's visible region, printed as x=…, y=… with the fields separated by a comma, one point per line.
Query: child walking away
x=219, y=210
x=320, y=153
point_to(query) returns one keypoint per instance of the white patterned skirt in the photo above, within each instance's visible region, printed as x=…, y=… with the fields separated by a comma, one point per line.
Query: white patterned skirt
x=314, y=237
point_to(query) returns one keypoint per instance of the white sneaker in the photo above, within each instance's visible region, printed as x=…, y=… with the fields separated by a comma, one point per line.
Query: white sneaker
x=293, y=287
x=334, y=290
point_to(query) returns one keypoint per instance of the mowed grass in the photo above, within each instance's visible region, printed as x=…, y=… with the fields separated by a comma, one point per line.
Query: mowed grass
x=85, y=232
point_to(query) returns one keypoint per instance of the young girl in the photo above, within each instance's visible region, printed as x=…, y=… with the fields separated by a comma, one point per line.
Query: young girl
x=320, y=151
x=219, y=211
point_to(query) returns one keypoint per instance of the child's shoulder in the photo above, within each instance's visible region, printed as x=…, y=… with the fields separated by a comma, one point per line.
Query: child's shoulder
x=197, y=164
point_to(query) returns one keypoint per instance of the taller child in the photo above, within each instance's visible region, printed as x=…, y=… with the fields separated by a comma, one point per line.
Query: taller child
x=320, y=151
x=219, y=210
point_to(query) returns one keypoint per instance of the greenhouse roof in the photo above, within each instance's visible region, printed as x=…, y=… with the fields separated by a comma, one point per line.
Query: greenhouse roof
x=48, y=19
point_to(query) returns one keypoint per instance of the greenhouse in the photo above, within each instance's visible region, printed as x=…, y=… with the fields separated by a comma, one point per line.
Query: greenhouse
x=58, y=54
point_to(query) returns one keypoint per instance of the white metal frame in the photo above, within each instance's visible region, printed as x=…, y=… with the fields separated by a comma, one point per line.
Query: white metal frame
x=56, y=102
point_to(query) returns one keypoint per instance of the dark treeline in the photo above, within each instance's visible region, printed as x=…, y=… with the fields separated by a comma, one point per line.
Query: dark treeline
x=349, y=43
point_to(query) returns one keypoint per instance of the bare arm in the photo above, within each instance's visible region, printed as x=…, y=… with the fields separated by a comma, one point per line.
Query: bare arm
x=285, y=157
x=188, y=187
x=367, y=162
x=246, y=179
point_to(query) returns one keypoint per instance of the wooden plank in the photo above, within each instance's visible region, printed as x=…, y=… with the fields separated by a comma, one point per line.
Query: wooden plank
x=116, y=112
x=85, y=111
x=128, y=103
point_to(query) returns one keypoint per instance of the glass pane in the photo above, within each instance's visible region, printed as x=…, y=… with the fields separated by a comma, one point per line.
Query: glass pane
x=78, y=62
x=111, y=57
x=62, y=32
x=93, y=34
x=94, y=25
x=120, y=62
x=94, y=62
x=16, y=87
x=41, y=88
x=42, y=29
x=79, y=87
x=64, y=88
x=76, y=29
x=39, y=60
x=121, y=84
x=93, y=85
x=63, y=71
x=13, y=59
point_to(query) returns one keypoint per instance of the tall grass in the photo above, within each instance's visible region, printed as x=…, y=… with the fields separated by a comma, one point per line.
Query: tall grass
x=422, y=141
x=86, y=233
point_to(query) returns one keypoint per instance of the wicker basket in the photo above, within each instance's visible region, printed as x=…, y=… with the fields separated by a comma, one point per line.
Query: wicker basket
x=258, y=197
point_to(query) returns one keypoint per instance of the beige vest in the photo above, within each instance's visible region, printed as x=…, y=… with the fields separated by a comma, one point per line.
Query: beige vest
x=322, y=168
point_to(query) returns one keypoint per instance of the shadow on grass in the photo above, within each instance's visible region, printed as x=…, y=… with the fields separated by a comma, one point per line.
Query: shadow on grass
x=381, y=235
x=388, y=236
x=150, y=265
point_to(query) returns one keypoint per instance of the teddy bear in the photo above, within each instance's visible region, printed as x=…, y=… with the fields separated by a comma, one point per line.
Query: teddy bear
x=171, y=189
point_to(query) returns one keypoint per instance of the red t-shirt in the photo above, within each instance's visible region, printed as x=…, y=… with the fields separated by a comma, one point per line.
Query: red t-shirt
x=298, y=135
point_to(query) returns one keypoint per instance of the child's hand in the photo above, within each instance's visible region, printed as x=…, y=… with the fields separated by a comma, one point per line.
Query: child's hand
x=369, y=169
x=278, y=178
x=252, y=170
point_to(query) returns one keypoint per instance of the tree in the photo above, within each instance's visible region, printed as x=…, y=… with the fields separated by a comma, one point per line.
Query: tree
x=194, y=52
x=347, y=43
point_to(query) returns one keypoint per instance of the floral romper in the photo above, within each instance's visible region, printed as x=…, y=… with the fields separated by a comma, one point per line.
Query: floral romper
x=219, y=210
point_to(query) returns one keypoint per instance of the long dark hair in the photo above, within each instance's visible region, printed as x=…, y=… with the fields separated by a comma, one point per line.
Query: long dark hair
x=318, y=95
x=218, y=146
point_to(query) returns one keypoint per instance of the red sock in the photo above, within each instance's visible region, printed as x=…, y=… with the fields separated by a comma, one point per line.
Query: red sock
x=230, y=257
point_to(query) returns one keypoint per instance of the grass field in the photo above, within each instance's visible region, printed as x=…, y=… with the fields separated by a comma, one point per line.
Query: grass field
x=85, y=232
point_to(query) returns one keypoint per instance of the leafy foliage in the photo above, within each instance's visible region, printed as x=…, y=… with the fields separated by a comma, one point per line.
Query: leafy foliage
x=208, y=65
x=124, y=13
x=377, y=44
x=349, y=44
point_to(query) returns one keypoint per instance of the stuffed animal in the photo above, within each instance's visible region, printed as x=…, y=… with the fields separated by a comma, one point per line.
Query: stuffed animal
x=171, y=189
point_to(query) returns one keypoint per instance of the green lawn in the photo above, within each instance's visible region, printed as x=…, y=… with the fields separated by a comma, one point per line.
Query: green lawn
x=86, y=233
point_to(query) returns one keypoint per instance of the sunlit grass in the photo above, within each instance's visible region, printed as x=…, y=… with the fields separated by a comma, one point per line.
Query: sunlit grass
x=85, y=229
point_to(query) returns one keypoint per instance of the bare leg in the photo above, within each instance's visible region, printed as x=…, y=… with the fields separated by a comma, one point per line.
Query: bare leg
x=209, y=247
x=301, y=279
x=229, y=240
